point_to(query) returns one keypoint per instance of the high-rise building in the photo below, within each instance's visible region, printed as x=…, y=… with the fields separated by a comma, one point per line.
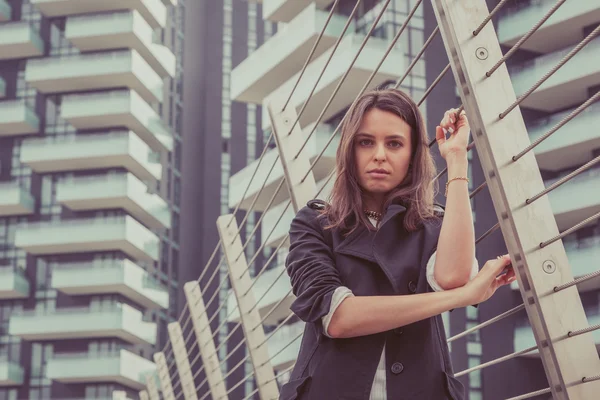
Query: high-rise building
x=90, y=164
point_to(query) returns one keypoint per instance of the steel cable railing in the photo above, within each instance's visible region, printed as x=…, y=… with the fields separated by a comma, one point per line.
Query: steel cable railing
x=559, y=125
x=523, y=39
x=266, y=291
x=265, y=149
x=489, y=17
x=532, y=394
x=487, y=323
x=547, y=190
x=329, y=58
x=544, y=78
x=252, y=284
x=312, y=51
x=564, y=180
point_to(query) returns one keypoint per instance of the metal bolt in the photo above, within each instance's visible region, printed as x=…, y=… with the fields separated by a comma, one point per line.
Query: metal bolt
x=549, y=267
x=286, y=120
x=481, y=53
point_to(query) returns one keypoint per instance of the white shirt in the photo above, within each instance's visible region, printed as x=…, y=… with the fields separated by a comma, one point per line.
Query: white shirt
x=378, y=390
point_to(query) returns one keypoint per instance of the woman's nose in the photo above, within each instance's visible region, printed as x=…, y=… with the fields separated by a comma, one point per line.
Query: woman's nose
x=380, y=153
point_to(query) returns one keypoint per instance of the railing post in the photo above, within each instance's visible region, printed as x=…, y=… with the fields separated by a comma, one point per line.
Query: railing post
x=151, y=387
x=164, y=376
x=206, y=344
x=524, y=226
x=181, y=361
x=288, y=144
x=249, y=316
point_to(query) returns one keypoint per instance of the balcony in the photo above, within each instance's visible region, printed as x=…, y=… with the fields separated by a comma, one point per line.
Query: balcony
x=13, y=284
x=123, y=191
x=121, y=367
x=283, y=55
x=239, y=182
x=87, y=72
x=105, y=277
x=281, y=229
x=120, y=321
x=524, y=334
x=89, y=235
x=19, y=40
x=567, y=87
x=576, y=199
x=281, y=339
x=17, y=118
x=153, y=11
x=11, y=373
x=563, y=28
x=364, y=66
x=118, y=30
x=5, y=11
x=281, y=287
x=122, y=149
x=124, y=108
x=286, y=10
x=15, y=200
x=572, y=145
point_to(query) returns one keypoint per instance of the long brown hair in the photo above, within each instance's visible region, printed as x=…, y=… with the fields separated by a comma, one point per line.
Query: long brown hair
x=417, y=190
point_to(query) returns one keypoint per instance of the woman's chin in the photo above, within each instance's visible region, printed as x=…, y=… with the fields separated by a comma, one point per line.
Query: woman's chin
x=379, y=188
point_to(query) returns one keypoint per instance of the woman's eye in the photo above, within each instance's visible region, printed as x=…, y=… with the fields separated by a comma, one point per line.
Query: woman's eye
x=365, y=142
x=395, y=144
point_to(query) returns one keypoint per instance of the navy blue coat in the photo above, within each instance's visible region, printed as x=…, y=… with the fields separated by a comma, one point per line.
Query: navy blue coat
x=389, y=261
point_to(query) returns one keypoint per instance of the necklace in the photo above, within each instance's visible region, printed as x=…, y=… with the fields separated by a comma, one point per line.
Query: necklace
x=373, y=214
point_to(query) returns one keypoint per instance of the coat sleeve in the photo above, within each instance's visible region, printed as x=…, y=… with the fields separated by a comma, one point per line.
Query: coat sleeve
x=311, y=268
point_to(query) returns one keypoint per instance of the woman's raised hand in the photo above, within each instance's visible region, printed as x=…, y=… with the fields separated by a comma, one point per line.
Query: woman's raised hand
x=459, y=130
x=488, y=280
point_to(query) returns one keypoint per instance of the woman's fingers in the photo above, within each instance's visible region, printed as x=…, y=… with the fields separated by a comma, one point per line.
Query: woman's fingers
x=447, y=122
x=440, y=136
x=498, y=264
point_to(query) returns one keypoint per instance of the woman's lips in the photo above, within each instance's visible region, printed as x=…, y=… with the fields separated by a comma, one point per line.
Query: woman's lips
x=378, y=174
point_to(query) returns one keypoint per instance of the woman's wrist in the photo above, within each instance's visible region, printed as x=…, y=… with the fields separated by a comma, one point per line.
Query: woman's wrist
x=463, y=296
x=458, y=165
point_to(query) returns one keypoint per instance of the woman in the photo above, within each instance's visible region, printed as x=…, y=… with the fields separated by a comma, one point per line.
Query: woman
x=373, y=270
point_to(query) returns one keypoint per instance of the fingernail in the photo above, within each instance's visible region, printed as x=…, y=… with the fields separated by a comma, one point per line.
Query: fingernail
x=451, y=130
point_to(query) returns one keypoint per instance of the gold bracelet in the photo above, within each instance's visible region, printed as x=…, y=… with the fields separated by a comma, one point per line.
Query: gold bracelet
x=462, y=178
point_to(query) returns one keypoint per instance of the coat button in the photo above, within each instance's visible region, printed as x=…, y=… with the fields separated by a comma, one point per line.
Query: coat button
x=397, y=368
x=398, y=331
x=412, y=286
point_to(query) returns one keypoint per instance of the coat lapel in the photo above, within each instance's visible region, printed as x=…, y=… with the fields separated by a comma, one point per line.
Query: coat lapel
x=360, y=243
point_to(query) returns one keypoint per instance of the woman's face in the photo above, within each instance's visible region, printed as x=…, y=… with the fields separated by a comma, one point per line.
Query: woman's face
x=382, y=150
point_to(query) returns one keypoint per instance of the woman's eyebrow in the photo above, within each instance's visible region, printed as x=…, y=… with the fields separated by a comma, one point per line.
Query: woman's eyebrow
x=393, y=136
x=396, y=136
